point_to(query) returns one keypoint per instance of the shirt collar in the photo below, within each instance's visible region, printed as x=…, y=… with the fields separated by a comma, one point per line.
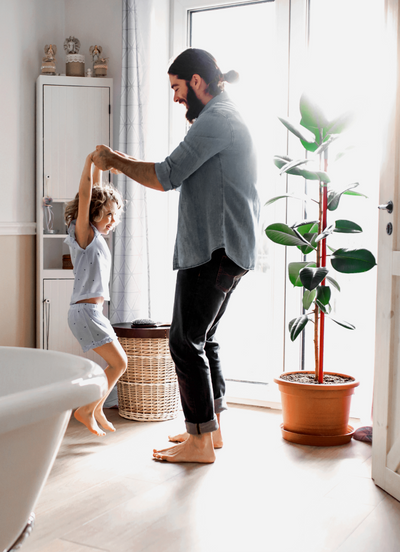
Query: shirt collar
x=223, y=97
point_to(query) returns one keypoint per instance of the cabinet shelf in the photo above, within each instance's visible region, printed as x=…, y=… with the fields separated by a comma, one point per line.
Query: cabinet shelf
x=58, y=274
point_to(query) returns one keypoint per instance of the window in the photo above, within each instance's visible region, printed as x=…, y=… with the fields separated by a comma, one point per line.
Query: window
x=281, y=49
x=243, y=37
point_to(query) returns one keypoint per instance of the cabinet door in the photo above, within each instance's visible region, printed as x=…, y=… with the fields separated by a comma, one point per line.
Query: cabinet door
x=75, y=120
x=56, y=333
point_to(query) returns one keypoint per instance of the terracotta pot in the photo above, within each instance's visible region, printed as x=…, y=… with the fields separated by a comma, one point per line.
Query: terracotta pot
x=316, y=414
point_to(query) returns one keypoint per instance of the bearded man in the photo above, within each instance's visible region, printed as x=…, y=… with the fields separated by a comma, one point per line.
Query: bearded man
x=215, y=168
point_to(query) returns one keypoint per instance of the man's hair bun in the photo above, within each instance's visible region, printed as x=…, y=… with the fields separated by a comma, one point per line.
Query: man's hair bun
x=231, y=76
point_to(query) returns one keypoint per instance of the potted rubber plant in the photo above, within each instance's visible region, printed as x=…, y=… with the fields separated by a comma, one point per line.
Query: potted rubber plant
x=316, y=405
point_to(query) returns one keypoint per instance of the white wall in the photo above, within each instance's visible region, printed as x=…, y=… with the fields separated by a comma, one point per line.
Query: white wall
x=98, y=22
x=26, y=26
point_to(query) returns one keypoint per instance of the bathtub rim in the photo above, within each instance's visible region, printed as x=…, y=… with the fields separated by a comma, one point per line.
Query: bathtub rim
x=33, y=405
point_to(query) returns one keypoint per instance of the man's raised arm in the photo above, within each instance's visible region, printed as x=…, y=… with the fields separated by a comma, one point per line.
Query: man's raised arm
x=106, y=159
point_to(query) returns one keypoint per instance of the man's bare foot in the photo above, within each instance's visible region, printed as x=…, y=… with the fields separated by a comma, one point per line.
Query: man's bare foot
x=100, y=417
x=196, y=448
x=217, y=438
x=182, y=437
x=89, y=421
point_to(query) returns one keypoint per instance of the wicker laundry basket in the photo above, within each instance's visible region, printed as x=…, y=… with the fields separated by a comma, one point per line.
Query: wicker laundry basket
x=148, y=390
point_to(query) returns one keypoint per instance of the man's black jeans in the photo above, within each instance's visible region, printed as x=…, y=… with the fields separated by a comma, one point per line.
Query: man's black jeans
x=201, y=297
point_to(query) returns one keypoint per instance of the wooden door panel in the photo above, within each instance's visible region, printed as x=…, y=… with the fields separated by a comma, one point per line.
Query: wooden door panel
x=386, y=410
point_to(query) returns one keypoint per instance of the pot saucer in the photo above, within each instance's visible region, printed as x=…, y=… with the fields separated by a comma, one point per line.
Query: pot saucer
x=317, y=440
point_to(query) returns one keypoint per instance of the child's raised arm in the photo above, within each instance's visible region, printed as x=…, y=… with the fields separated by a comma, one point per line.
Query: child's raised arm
x=84, y=233
x=97, y=176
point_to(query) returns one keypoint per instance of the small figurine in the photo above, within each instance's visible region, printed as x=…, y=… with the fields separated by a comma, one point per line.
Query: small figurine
x=75, y=62
x=49, y=61
x=95, y=52
x=50, y=51
x=99, y=64
x=72, y=45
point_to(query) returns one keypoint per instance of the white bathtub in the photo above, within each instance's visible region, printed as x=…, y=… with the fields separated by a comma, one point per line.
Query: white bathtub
x=38, y=390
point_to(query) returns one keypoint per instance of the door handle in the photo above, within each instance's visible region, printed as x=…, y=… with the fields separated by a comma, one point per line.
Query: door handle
x=388, y=207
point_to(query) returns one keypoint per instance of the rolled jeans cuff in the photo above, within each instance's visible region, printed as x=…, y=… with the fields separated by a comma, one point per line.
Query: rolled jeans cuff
x=220, y=405
x=199, y=429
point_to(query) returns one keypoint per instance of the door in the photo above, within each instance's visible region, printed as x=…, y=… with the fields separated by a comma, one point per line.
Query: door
x=76, y=119
x=386, y=409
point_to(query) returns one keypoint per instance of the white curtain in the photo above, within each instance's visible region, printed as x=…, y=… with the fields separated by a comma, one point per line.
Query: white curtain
x=130, y=293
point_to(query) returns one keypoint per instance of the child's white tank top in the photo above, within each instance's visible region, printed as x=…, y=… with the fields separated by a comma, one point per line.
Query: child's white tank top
x=92, y=266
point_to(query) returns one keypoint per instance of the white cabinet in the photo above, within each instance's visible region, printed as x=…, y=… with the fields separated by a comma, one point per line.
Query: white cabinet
x=56, y=333
x=73, y=115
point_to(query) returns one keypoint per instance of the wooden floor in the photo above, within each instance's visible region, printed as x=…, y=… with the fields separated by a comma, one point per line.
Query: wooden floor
x=261, y=495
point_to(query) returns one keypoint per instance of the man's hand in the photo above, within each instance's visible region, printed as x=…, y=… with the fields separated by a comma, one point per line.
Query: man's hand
x=103, y=158
x=142, y=172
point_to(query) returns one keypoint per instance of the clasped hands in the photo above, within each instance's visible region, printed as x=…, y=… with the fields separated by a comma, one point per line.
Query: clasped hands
x=105, y=158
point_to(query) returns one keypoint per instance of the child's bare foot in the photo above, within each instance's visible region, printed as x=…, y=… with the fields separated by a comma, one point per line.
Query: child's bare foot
x=100, y=417
x=88, y=420
x=182, y=437
x=196, y=448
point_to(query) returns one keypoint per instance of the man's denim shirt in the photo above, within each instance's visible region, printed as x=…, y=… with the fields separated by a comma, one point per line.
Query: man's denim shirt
x=215, y=168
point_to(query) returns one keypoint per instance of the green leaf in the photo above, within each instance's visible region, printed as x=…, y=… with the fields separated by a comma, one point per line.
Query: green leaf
x=306, y=226
x=310, y=147
x=333, y=282
x=312, y=277
x=358, y=194
x=301, y=197
x=311, y=175
x=297, y=325
x=282, y=160
x=308, y=229
x=308, y=298
x=293, y=164
x=284, y=235
x=342, y=153
x=342, y=323
x=350, y=261
x=324, y=294
x=340, y=123
x=306, y=249
x=327, y=232
x=312, y=116
x=334, y=196
x=326, y=309
x=347, y=227
x=325, y=145
x=294, y=269
x=298, y=130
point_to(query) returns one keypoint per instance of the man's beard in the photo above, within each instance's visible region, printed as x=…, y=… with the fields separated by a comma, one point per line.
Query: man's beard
x=194, y=104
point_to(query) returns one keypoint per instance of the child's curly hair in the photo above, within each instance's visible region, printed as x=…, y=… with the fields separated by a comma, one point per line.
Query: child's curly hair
x=100, y=196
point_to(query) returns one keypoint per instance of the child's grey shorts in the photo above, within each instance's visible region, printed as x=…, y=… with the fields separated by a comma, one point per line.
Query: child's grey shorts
x=89, y=325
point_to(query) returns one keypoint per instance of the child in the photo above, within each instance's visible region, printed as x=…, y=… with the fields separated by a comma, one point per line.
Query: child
x=93, y=213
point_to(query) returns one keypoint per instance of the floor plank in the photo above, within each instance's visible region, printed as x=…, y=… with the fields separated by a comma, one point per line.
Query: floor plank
x=261, y=495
